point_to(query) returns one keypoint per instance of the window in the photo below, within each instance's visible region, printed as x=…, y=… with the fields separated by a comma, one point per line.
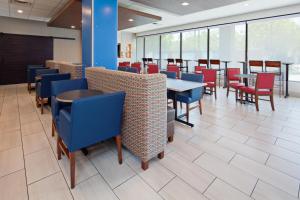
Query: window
x=228, y=43
x=139, y=49
x=276, y=39
x=170, y=47
x=152, y=47
x=194, y=46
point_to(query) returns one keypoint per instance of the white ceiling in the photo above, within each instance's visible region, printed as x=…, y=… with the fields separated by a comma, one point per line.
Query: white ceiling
x=40, y=10
x=171, y=19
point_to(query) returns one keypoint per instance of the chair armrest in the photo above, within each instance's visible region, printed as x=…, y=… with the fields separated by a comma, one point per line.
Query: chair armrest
x=64, y=126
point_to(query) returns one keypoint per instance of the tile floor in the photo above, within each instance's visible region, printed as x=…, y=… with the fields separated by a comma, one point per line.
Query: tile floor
x=233, y=152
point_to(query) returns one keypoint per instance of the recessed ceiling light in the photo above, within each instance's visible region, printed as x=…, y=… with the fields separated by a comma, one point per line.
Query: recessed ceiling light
x=185, y=3
x=246, y=4
x=20, y=11
x=131, y=20
x=73, y=27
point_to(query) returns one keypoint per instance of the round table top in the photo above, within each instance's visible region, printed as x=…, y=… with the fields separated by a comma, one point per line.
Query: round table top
x=249, y=76
x=70, y=96
x=287, y=63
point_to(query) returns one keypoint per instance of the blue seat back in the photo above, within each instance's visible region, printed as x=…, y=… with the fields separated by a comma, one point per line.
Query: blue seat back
x=95, y=119
x=124, y=69
x=197, y=93
x=46, y=71
x=169, y=74
x=31, y=72
x=61, y=86
x=132, y=70
x=46, y=83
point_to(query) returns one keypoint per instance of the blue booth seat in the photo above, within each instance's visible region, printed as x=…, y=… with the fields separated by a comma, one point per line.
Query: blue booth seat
x=58, y=87
x=43, y=87
x=91, y=120
x=169, y=74
x=128, y=69
x=192, y=95
x=31, y=73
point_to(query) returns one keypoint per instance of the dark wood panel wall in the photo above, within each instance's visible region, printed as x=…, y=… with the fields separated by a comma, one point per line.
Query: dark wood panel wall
x=18, y=51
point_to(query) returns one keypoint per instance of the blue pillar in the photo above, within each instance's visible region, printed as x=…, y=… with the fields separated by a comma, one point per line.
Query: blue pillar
x=99, y=33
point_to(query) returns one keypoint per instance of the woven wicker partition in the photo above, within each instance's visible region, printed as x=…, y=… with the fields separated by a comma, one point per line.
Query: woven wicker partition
x=65, y=67
x=144, y=129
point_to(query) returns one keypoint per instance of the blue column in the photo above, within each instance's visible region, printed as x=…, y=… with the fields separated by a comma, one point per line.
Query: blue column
x=99, y=33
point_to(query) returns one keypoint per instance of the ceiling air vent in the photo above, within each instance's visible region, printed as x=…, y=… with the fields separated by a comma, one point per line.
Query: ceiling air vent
x=22, y=2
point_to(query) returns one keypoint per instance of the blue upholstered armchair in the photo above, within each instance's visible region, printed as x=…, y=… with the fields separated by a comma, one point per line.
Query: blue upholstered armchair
x=91, y=120
x=31, y=73
x=192, y=95
x=169, y=74
x=128, y=69
x=43, y=87
x=58, y=87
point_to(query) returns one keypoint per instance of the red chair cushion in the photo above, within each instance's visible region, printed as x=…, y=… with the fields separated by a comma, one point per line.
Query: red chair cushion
x=211, y=84
x=236, y=85
x=251, y=90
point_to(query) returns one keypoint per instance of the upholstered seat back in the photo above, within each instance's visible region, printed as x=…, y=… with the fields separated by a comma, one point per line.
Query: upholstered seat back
x=145, y=110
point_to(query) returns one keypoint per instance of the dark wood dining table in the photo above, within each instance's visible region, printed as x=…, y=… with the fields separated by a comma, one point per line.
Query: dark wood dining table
x=177, y=85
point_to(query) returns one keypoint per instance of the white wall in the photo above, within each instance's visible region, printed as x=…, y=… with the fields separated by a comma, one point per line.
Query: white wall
x=64, y=50
x=125, y=38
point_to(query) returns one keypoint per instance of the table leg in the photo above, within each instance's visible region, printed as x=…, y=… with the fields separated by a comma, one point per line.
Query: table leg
x=225, y=76
x=187, y=66
x=287, y=81
x=177, y=118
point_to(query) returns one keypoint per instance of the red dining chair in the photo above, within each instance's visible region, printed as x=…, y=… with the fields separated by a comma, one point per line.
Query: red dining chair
x=153, y=69
x=198, y=69
x=210, y=78
x=137, y=65
x=216, y=64
x=203, y=62
x=233, y=81
x=256, y=66
x=174, y=68
x=275, y=67
x=263, y=87
x=170, y=61
x=124, y=64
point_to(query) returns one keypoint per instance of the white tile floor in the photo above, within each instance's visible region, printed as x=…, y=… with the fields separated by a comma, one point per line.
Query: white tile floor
x=233, y=152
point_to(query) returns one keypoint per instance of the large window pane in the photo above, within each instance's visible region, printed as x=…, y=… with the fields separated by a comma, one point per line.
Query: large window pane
x=139, y=48
x=228, y=43
x=152, y=47
x=194, y=46
x=277, y=39
x=170, y=47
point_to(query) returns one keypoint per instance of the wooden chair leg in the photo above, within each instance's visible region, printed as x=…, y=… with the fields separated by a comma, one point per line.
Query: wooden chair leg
x=161, y=155
x=187, y=112
x=272, y=102
x=256, y=102
x=58, y=148
x=72, y=169
x=53, y=128
x=200, y=106
x=119, y=147
x=145, y=165
x=236, y=94
x=42, y=106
